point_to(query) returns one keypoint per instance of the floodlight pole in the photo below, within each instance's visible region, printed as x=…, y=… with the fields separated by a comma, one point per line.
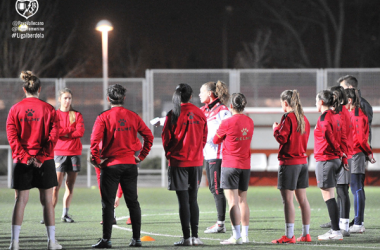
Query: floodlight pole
x=105, y=67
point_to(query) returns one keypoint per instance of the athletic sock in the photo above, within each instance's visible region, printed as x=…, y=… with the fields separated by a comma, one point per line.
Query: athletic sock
x=65, y=211
x=344, y=224
x=289, y=230
x=220, y=223
x=15, y=232
x=244, y=231
x=305, y=230
x=332, y=207
x=236, y=231
x=51, y=233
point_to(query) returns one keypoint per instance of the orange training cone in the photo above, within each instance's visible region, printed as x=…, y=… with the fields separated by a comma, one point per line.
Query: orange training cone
x=147, y=238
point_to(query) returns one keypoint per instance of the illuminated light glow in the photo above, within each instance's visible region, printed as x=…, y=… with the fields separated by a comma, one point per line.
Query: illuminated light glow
x=104, y=26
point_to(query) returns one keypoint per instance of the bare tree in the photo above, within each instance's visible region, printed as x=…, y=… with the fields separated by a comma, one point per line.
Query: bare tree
x=255, y=54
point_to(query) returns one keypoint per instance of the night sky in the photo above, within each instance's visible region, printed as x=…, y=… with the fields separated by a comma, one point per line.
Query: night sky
x=188, y=34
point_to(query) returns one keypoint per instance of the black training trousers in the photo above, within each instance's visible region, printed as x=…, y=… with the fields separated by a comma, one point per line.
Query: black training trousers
x=110, y=177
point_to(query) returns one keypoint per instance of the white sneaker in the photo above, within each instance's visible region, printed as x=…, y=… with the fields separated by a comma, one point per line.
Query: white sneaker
x=357, y=229
x=14, y=245
x=184, y=242
x=54, y=245
x=215, y=229
x=331, y=236
x=245, y=238
x=196, y=241
x=232, y=241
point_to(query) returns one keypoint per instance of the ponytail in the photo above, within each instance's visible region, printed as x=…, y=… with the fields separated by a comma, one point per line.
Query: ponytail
x=353, y=94
x=219, y=89
x=182, y=94
x=293, y=99
x=329, y=98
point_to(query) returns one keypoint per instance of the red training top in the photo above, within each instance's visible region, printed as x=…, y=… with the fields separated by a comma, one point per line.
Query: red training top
x=236, y=132
x=70, y=145
x=118, y=128
x=293, y=144
x=327, y=136
x=32, y=130
x=184, y=142
x=340, y=121
x=360, y=132
x=350, y=140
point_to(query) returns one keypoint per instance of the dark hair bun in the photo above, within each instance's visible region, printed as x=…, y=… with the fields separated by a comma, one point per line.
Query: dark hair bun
x=26, y=75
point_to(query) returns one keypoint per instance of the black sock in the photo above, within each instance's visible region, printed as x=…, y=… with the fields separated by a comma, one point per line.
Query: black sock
x=184, y=212
x=332, y=207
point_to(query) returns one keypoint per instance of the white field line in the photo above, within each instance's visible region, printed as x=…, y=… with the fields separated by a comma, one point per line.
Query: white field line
x=213, y=239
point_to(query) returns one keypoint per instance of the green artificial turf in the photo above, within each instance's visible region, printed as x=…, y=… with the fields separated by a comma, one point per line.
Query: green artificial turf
x=161, y=221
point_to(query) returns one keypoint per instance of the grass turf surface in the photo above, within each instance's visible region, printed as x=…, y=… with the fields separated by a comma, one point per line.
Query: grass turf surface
x=161, y=221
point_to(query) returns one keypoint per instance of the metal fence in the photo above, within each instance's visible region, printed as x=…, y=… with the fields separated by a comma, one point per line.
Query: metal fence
x=151, y=96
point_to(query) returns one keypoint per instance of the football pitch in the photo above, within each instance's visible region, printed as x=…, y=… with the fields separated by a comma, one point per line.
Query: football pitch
x=160, y=220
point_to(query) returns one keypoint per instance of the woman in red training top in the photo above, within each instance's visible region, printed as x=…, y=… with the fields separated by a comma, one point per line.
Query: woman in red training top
x=361, y=150
x=236, y=134
x=293, y=175
x=32, y=131
x=117, y=129
x=343, y=177
x=328, y=153
x=68, y=151
x=184, y=136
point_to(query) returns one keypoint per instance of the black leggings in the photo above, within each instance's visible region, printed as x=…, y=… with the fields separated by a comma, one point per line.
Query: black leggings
x=343, y=200
x=188, y=212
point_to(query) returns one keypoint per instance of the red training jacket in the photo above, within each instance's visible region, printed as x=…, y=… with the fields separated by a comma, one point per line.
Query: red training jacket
x=184, y=143
x=350, y=140
x=327, y=136
x=360, y=131
x=293, y=144
x=118, y=128
x=236, y=134
x=70, y=145
x=32, y=130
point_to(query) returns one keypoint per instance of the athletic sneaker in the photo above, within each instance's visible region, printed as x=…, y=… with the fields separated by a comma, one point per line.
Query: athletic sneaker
x=135, y=243
x=245, y=238
x=232, y=241
x=184, y=242
x=285, y=240
x=14, y=245
x=216, y=229
x=129, y=222
x=103, y=244
x=196, y=241
x=67, y=219
x=326, y=225
x=330, y=236
x=306, y=238
x=345, y=233
x=357, y=229
x=54, y=245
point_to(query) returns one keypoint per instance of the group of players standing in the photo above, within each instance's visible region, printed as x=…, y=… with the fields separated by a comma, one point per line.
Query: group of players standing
x=214, y=133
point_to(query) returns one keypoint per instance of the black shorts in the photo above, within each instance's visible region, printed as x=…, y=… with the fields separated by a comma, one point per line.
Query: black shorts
x=235, y=178
x=358, y=163
x=327, y=173
x=293, y=177
x=184, y=178
x=67, y=163
x=27, y=177
x=344, y=176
